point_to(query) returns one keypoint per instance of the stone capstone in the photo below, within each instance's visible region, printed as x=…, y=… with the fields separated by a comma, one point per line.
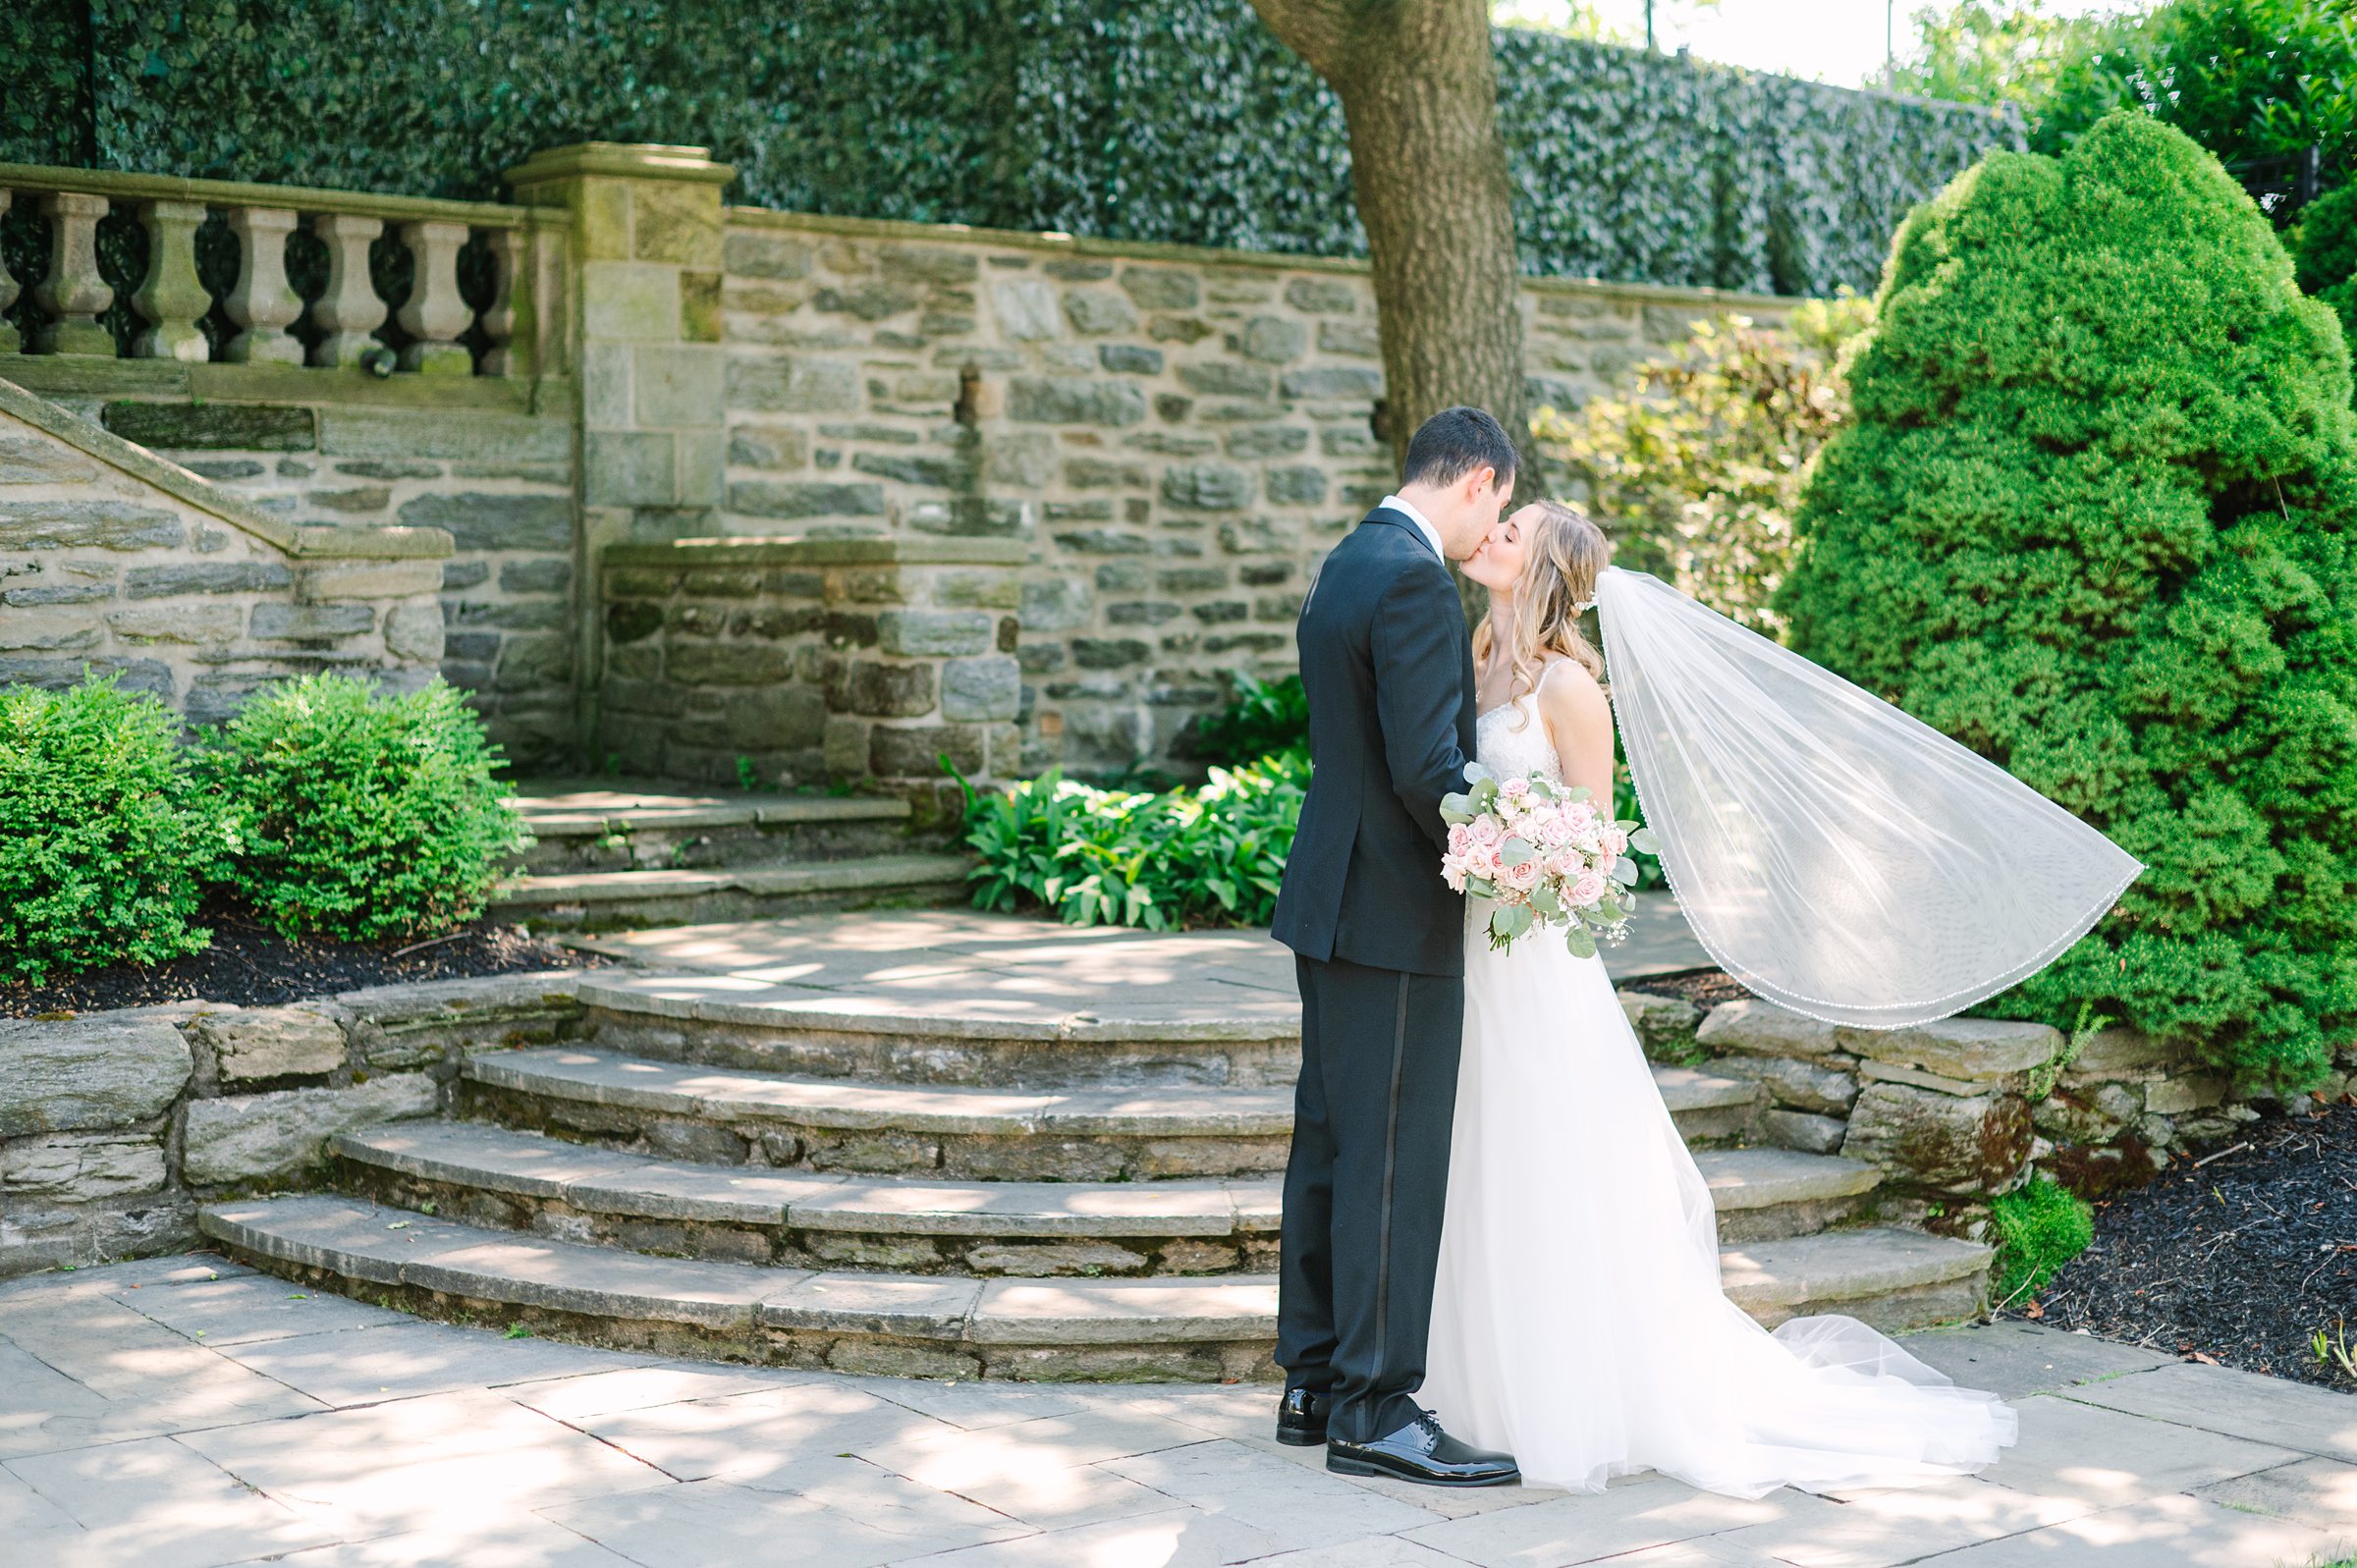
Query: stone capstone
x=1967, y=1050
x=1762, y=1028
x=1956, y=1144
x=255, y=1137
x=102, y=1071
x=274, y=1041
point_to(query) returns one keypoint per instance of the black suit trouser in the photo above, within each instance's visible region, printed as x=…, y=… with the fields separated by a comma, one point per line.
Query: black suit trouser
x=1364, y=1187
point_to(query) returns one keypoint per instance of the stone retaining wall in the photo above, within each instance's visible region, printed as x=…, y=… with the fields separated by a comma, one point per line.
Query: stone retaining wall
x=333, y=450
x=112, y=560
x=1963, y=1110
x=114, y=1127
x=815, y=661
x=1175, y=436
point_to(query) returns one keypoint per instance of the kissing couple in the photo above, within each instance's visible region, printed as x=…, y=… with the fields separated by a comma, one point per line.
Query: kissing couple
x=1499, y=1261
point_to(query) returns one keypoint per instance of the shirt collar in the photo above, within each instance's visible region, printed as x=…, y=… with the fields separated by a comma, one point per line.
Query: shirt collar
x=1432, y=535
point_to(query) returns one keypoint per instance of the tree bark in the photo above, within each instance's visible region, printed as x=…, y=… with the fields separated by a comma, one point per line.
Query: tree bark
x=1419, y=89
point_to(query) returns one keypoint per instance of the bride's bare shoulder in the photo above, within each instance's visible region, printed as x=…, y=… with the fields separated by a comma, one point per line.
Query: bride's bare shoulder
x=1568, y=692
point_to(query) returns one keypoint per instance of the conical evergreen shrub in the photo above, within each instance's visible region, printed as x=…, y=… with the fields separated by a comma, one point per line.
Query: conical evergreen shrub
x=2092, y=520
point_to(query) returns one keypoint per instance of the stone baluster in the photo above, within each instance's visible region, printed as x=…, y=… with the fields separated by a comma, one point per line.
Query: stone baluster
x=349, y=309
x=502, y=359
x=8, y=287
x=435, y=314
x=171, y=300
x=74, y=295
x=264, y=303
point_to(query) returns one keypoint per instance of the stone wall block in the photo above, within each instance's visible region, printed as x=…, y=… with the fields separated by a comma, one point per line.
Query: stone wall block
x=1664, y=1024
x=1960, y=1145
x=307, y=1039
x=80, y=1167
x=919, y=633
x=103, y=1071
x=367, y=579
x=1973, y=1050
x=251, y=1137
x=1799, y=1085
x=1761, y=1028
x=981, y=690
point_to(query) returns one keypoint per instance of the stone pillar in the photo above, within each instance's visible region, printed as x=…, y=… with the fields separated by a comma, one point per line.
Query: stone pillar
x=349, y=308
x=264, y=303
x=171, y=300
x=435, y=314
x=74, y=295
x=645, y=246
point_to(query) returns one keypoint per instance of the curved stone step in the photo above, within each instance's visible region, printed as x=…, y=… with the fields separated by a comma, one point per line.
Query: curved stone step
x=940, y=1326
x=612, y=825
x=1125, y=1132
x=612, y=900
x=524, y=1181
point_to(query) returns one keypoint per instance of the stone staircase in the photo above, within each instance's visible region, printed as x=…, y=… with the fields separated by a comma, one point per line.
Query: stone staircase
x=611, y=856
x=719, y=1165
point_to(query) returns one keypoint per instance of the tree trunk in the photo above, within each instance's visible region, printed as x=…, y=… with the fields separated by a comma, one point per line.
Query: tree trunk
x=1419, y=89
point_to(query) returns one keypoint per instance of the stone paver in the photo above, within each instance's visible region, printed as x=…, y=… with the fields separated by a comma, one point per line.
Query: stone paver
x=185, y=1413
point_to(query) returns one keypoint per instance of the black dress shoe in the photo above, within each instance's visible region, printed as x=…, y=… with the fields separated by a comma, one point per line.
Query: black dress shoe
x=1301, y=1418
x=1421, y=1451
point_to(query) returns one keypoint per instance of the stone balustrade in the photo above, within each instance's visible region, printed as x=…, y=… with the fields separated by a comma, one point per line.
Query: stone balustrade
x=352, y=243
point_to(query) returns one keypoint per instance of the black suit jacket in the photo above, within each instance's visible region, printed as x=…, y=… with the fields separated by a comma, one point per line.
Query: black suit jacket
x=1389, y=670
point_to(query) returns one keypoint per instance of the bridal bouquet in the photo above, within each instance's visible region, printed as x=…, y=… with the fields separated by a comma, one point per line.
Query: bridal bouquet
x=1546, y=855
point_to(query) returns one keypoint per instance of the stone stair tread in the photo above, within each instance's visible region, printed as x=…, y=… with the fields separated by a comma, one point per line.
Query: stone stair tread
x=578, y=808
x=496, y=1158
x=379, y=1245
x=385, y=1246
x=1834, y=1265
x=1759, y=1178
x=720, y=1094
x=854, y=874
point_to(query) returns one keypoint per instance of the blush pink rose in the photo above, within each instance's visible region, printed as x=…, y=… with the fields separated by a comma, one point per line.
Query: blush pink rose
x=1587, y=889
x=1524, y=877
x=1515, y=788
x=1460, y=839
x=1484, y=831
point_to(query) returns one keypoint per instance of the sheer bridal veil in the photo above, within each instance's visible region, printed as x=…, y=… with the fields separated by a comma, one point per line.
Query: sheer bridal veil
x=1838, y=857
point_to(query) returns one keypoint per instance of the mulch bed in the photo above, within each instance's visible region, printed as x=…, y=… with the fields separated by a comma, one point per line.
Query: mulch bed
x=2240, y=1259
x=251, y=966
x=1705, y=988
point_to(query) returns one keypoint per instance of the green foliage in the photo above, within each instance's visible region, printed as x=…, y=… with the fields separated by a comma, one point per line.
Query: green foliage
x=1212, y=855
x=2246, y=78
x=1696, y=470
x=361, y=816
x=2325, y=250
x=1181, y=120
x=104, y=846
x=2091, y=519
x=1262, y=717
x=2040, y=1226
x=1977, y=52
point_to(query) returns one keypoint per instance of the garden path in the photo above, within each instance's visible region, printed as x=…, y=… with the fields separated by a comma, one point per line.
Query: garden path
x=261, y=1422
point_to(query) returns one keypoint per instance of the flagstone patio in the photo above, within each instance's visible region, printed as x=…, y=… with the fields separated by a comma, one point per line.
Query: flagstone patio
x=186, y=1412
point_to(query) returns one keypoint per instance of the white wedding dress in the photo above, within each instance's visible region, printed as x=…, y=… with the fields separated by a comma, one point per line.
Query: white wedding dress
x=1578, y=1320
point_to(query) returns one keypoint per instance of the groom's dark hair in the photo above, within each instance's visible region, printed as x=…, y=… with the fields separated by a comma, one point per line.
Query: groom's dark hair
x=1454, y=441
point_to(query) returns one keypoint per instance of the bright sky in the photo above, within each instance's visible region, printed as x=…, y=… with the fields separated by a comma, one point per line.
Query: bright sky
x=1831, y=40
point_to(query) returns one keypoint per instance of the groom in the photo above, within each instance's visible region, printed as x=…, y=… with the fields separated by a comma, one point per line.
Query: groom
x=1379, y=945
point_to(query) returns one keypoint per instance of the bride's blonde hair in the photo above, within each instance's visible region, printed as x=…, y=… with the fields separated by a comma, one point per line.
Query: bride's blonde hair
x=1562, y=558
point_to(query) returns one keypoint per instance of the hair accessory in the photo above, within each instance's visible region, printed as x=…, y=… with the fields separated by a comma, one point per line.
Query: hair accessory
x=1583, y=607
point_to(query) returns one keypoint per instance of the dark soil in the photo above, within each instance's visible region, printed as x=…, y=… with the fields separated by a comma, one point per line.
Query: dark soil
x=1705, y=988
x=2241, y=1260
x=251, y=966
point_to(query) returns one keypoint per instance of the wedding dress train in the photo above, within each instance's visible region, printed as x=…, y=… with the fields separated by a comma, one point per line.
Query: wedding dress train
x=1577, y=1319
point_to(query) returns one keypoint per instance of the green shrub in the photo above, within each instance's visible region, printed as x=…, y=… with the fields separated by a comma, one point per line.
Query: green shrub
x=1263, y=718
x=2091, y=518
x=2324, y=248
x=104, y=844
x=1696, y=470
x=361, y=816
x=1212, y=855
x=2040, y=1226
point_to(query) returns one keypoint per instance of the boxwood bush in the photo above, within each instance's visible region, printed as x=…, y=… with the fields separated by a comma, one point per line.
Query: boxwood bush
x=361, y=816
x=2092, y=519
x=105, y=845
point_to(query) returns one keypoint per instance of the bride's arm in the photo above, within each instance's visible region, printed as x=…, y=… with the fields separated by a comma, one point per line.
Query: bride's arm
x=1579, y=721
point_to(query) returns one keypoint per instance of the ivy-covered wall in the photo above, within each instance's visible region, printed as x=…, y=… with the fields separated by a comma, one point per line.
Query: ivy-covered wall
x=1181, y=120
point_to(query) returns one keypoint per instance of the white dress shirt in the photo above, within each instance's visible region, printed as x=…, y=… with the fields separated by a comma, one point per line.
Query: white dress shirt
x=1432, y=535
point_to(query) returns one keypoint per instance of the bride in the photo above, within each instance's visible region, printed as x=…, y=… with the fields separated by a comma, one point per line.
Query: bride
x=1577, y=1319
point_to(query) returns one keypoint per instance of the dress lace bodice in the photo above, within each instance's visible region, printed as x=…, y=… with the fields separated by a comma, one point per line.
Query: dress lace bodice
x=1514, y=753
